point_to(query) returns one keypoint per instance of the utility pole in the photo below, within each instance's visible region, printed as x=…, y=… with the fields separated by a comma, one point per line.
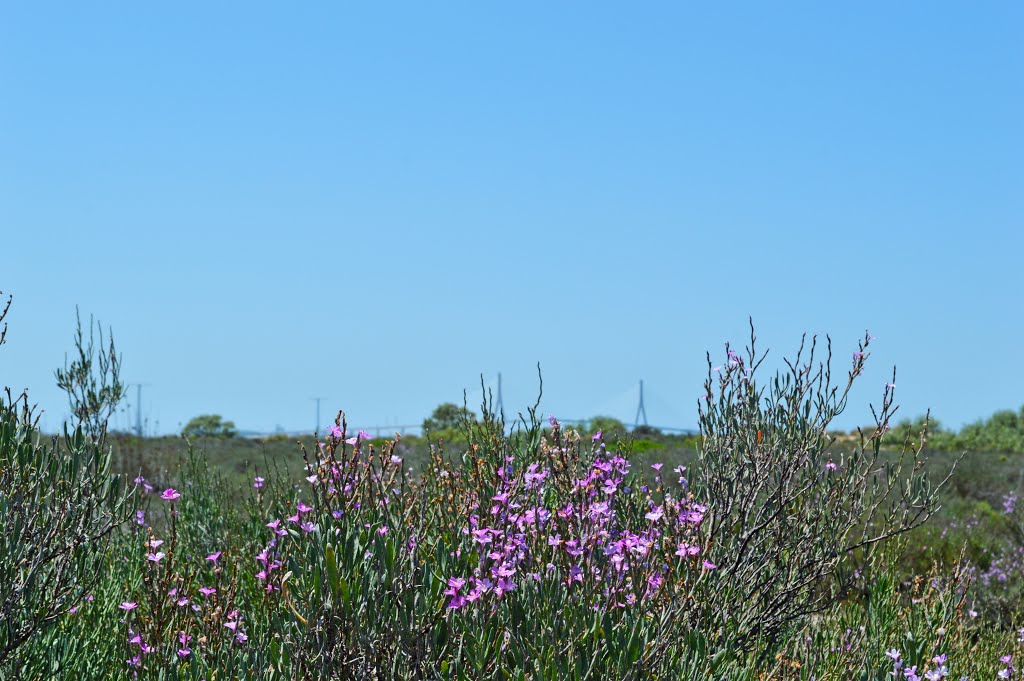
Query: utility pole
x=138, y=408
x=640, y=407
x=501, y=403
x=317, y=400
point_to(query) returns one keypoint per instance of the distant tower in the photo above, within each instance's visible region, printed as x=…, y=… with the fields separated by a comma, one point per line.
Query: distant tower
x=640, y=407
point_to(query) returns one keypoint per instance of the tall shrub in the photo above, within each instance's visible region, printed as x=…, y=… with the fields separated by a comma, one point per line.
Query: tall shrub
x=58, y=506
x=787, y=511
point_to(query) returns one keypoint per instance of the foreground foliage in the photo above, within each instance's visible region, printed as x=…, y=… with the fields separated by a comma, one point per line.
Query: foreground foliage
x=534, y=551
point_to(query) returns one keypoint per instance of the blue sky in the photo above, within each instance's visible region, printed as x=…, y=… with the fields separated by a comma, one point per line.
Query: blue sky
x=377, y=204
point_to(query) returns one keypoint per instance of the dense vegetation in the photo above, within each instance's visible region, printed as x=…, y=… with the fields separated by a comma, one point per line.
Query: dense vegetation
x=765, y=548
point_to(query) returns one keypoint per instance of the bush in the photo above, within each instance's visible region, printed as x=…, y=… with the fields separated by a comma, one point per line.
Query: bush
x=59, y=507
x=787, y=514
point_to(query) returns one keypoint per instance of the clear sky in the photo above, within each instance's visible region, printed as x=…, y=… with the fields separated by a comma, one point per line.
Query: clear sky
x=377, y=203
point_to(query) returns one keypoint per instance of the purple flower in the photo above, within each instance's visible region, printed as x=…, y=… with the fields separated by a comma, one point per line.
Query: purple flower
x=213, y=557
x=657, y=466
x=308, y=527
x=655, y=514
x=155, y=557
x=302, y=508
x=687, y=550
x=335, y=431
x=128, y=606
x=184, y=652
x=258, y=482
x=207, y=591
x=170, y=494
x=596, y=436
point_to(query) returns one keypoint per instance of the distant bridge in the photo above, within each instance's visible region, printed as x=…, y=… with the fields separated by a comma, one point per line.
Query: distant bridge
x=623, y=403
x=417, y=429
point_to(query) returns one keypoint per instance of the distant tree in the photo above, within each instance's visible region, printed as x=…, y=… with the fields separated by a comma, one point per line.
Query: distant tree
x=610, y=427
x=447, y=416
x=209, y=425
x=646, y=433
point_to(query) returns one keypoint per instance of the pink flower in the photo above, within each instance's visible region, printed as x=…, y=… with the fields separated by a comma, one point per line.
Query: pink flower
x=155, y=557
x=311, y=479
x=184, y=652
x=708, y=565
x=170, y=494
x=207, y=591
x=231, y=625
x=302, y=508
x=596, y=436
x=128, y=606
x=335, y=431
x=258, y=482
x=213, y=557
x=657, y=466
x=308, y=527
